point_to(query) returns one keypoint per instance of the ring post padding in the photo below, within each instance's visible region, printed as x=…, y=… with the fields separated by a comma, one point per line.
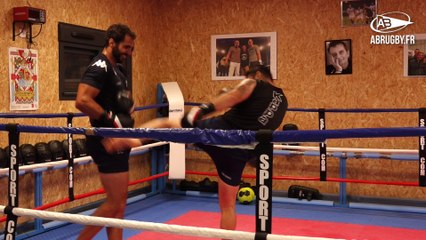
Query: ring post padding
x=176, y=111
x=261, y=236
x=264, y=154
x=13, y=181
x=70, y=159
x=422, y=149
x=323, y=146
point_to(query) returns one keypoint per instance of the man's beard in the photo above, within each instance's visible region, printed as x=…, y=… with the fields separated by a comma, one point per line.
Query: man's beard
x=116, y=54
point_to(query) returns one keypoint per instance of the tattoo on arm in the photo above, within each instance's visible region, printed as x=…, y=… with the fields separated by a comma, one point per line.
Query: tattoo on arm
x=242, y=88
x=241, y=92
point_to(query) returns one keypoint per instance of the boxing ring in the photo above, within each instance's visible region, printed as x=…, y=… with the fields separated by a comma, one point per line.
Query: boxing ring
x=264, y=141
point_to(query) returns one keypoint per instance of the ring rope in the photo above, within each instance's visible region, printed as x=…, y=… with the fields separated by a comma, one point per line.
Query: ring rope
x=354, y=150
x=80, y=160
x=152, y=106
x=356, y=110
x=39, y=115
x=297, y=150
x=349, y=110
x=341, y=110
x=229, y=137
x=362, y=134
x=92, y=193
x=346, y=180
x=157, y=227
x=64, y=115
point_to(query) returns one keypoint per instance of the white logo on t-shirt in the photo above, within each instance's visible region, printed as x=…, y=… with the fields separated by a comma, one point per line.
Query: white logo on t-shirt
x=101, y=63
x=277, y=99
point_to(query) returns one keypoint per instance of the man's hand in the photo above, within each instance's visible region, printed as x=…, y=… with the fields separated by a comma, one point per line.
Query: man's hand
x=196, y=113
x=336, y=64
x=112, y=120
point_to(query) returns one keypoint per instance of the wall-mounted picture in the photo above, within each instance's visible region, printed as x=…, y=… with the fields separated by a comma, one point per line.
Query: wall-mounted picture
x=358, y=12
x=414, y=57
x=234, y=54
x=338, y=57
x=23, y=79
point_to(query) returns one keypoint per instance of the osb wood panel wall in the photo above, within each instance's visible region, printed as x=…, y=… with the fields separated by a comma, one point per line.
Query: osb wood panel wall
x=302, y=28
x=93, y=14
x=79, y=13
x=174, y=45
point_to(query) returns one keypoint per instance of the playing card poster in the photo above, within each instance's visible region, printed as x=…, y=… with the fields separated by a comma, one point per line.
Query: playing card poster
x=23, y=79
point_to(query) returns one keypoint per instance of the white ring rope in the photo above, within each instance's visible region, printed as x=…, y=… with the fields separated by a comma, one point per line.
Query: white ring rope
x=329, y=149
x=156, y=227
x=354, y=150
x=4, y=171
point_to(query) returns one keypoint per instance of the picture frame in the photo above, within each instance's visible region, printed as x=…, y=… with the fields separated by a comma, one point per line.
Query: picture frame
x=415, y=66
x=263, y=45
x=338, y=57
x=23, y=79
x=357, y=12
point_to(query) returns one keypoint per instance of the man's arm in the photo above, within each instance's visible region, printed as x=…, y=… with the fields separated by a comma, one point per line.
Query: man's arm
x=259, y=57
x=85, y=101
x=236, y=95
x=224, y=101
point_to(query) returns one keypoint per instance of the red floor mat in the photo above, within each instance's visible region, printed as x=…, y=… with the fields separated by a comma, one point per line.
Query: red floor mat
x=286, y=226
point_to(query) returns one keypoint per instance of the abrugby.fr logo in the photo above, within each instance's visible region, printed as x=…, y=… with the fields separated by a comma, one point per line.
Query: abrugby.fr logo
x=391, y=22
x=385, y=24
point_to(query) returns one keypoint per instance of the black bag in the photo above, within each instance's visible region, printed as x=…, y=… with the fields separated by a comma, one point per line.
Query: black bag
x=302, y=192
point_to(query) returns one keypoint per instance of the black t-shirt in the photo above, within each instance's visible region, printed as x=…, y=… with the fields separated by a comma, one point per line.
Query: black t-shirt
x=264, y=109
x=108, y=79
x=244, y=59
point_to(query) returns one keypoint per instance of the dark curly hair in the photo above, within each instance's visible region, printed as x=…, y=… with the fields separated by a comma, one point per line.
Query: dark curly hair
x=264, y=70
x=118, y=32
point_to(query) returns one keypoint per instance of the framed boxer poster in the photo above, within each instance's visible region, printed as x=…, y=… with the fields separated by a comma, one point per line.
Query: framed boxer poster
x=358, y=12
x=414, y=57
x=234, y=54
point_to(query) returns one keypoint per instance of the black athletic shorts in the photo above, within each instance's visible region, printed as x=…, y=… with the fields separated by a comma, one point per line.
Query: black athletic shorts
x=230, y=162
x=107, y=163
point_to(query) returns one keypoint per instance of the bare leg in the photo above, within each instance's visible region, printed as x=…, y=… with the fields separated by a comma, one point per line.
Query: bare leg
x=161, y=123
x=115, y=185
x=227, y=201
x=113, y=145
x=119, y=144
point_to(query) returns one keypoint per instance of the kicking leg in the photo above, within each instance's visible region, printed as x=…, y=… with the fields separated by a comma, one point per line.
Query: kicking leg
x=113, y=145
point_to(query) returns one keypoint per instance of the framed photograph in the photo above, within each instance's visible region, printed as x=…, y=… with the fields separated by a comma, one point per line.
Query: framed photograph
x=338, y=57
x=414, y=57
x=234, y=54
x=358, y=12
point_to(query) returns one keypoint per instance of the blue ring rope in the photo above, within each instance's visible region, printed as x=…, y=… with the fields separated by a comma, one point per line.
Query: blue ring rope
x=351, y=110
x=357, y=110
x=38, y=115
x=64, y=115
x=228, y=137
x=151, y=106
